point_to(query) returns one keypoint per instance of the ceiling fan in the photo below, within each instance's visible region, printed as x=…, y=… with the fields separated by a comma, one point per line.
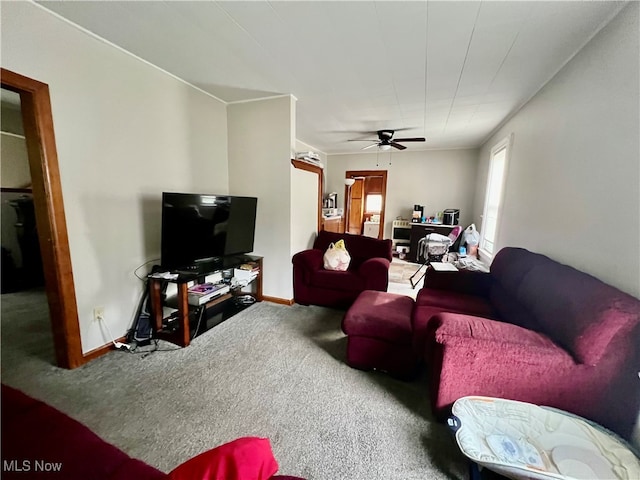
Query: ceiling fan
x=385, y=140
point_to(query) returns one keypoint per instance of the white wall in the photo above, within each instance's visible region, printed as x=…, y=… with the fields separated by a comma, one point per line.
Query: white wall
x=14, y=173
x=260, y=146
x=9, y=218
x=125, y=132
x=304, y=198
x=14, y=163
x=437, y=179
x=573, y=185
x=304, y=209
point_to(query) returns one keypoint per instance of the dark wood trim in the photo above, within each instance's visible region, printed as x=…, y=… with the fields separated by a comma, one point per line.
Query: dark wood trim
x=15, y=190
x=259, y=294
x=314, y=169
x=370, y=173
x=99, y=351
x=278, y=300
x=50, y=218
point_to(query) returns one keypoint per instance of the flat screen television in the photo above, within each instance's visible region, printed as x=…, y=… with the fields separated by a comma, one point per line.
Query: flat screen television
x=203, y=228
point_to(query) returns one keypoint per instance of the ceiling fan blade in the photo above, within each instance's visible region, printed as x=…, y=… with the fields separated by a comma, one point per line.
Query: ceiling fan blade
x=370, y=146
x=397, y=129
x=364, y=140
x=413, y=139
x=397, y=145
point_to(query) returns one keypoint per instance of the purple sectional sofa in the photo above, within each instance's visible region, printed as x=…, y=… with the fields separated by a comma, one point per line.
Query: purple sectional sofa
x=368, y=270
x=532, y=330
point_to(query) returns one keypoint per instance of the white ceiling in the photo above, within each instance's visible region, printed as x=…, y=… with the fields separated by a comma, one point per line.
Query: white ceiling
x=449, y=71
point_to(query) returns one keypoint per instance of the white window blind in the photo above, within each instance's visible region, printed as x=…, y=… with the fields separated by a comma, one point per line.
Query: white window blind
x=493, y=198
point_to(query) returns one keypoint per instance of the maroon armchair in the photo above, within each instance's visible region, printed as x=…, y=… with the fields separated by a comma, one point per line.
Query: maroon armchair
x=368, y=270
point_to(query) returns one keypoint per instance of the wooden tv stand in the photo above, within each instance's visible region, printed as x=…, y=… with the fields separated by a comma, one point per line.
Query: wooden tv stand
x=176, y=328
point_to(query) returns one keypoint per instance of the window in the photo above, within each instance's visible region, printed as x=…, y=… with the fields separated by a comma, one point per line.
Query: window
x=373, y=203
x=494, y=197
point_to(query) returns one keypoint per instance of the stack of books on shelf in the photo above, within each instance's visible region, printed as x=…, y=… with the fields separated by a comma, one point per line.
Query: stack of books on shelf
x=246, y=272
x=250, y=267
x=201, y=293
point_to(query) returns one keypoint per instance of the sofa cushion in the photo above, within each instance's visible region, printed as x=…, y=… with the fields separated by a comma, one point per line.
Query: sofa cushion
x=577, y=310
x=508, y=270
x=510, y=309
x=463, y=281
x=431, y=301
x=511, y=265
x=334, y=280
x=451, y=301
x=477, y=328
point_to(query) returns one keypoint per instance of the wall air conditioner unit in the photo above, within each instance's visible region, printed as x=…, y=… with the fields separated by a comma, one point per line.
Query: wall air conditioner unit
x=308, y=156
x=311, y=158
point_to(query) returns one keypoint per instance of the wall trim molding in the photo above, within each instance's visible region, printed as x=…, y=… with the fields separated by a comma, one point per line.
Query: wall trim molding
x=99, y=351
x=278, y=300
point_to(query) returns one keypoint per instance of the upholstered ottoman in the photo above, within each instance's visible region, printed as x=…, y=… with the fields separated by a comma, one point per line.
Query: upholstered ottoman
x=379, y=334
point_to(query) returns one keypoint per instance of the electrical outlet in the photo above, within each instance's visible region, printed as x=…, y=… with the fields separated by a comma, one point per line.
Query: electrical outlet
x=98, y=314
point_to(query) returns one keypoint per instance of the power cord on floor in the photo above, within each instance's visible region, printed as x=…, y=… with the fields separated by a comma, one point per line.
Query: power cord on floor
x=134, y=349
x=118, y=345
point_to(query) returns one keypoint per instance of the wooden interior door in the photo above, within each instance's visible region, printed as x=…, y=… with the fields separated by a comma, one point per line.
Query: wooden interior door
x=367, y=182
x=356, y=207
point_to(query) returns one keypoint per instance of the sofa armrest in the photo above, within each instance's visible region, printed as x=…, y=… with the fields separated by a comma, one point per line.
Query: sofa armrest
x=469, y=282
x=375, y=272
x=310, y=260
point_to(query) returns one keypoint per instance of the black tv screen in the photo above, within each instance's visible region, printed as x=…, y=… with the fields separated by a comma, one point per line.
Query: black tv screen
x=200, y=228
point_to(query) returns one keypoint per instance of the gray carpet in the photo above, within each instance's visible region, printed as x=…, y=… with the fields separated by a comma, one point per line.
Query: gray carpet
x=271, y=371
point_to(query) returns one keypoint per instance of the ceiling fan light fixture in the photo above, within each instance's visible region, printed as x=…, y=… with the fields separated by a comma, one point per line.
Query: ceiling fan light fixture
x=384, y=146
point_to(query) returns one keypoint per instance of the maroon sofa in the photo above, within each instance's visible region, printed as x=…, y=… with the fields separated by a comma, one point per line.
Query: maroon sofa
x=368, y=270
x=532, y=330
x=40, y=442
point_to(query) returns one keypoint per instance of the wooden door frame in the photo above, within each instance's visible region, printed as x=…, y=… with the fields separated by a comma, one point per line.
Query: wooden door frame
x=369, y=173
x=50, y=218
x=317, y=170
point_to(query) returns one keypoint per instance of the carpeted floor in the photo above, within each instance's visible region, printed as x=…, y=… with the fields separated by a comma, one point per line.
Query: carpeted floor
x=271, y=371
